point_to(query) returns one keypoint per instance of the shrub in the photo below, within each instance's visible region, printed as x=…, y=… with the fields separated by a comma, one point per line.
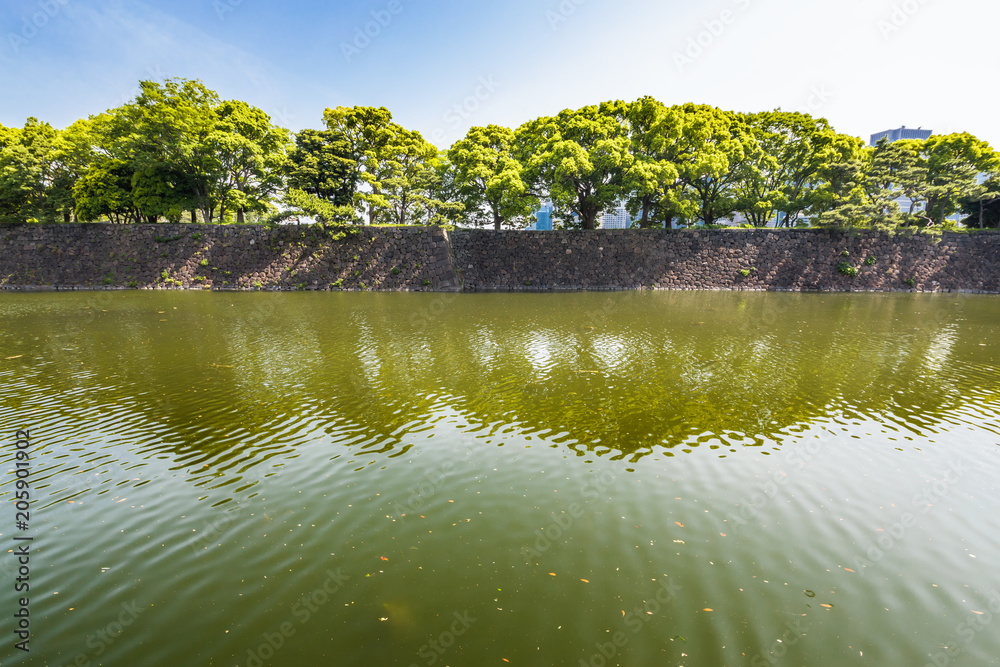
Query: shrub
x=847, y=269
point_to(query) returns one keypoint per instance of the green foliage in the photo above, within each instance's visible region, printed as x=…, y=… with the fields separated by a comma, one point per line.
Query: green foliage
x=786, y=153
x=322, y=165
x=488, y=180
x=580, y=158
x=38, y=169
x=870, y=261
x=203, y=262
x=177, y=149
x=847, y=269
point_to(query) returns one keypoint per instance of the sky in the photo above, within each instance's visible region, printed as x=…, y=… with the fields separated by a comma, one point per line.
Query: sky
x=443, y=67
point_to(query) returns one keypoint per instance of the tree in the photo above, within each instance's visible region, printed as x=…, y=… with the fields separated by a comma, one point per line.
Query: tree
x=779, y=184
x=654, y=191
x=408, y=178
x=722, y=151
x=488, y=179
x=840, y=196
x=251, y=153
x=74, y=153
x=29, y=174
x=953, y=163
x=896, y=171
x=322, y=165
x=165, y=131
x=368, y=131
x=580, y=157
x=106, y=191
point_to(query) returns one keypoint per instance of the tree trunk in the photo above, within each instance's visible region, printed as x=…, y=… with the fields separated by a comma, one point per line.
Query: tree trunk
x=981, y=206
x=66, y=218
x=194, y=217
x=240, y=219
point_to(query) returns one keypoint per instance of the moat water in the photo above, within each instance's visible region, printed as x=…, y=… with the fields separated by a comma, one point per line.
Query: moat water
x=697, y=479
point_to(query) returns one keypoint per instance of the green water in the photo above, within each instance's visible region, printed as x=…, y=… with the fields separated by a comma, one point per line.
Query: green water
x=697, y=479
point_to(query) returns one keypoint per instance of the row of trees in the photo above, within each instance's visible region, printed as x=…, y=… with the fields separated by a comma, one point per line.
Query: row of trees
x=177, y=149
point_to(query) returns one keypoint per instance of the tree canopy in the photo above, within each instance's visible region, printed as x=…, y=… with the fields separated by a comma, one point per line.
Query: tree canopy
x=177, y=149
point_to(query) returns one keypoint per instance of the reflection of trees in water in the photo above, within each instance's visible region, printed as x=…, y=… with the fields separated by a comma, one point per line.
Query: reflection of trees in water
x=234, y=380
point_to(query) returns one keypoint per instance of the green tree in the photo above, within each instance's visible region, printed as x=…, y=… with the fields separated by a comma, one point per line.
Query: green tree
x=322, y=165
x=165, y=131
x=30, y=175
x=369, y=133
x=488, y=178
x=723, y=151
x=251, y=153
x=581, y=158
x=106, y=191
x=408, y=180
x=654, y=191
x=953, y=163
x=779, y=184
x=983, y=207
x=897, y=171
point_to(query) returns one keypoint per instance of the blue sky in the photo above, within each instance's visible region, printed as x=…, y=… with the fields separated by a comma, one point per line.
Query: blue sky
x=442, y=67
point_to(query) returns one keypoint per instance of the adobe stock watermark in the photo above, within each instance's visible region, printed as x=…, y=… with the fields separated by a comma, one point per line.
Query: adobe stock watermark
x=365, y=34
x=421, y=494
x=547, y=536
x=30, y=26
x=435, y=649
x=635, y=620
x=302, y=611
x=426, y=316
x=208, y=537
x=565, y=10
x=779, y=648
x=105, y=637
x=923, y=502
x=153, y=73
x=819, y=97
x=223, y=7
x=971, y=626
x=901, y=14
x=798, y=458
x=713, y=30
x=466, y=108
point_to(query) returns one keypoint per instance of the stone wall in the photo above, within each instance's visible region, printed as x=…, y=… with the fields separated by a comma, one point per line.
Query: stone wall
x=165, y=256
x=223, y=257
x=794, y=260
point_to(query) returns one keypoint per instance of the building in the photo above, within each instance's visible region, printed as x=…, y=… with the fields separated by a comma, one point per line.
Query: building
x=544, y=218
x=616, y=218
x=900, y=133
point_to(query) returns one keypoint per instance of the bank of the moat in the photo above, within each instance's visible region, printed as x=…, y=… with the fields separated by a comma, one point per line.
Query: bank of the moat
x=96, y=256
